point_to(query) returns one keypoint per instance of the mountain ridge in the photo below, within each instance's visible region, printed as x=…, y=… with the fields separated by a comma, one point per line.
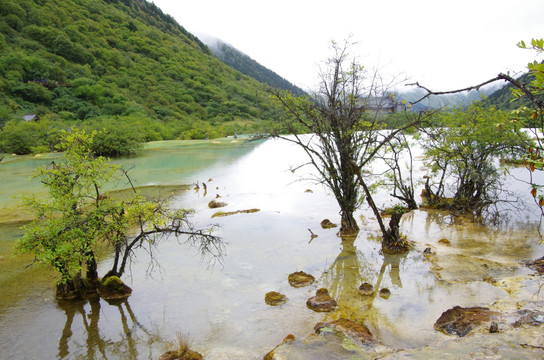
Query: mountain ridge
x=248, y=66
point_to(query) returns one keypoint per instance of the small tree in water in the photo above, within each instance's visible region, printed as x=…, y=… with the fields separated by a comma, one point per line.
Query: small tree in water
x=343, y=135
x=78, y=218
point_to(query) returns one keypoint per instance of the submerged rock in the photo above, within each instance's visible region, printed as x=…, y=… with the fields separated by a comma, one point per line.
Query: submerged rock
x=444, y=241
x=177, y=355
x=366, y=289
x=287, y=340
x=229, y=213
x=327, y=224
x=355, y=331
x=113, y=288
x=322, y=302
x=537, y=265
x=385, y=293
x=275, y=298
x=461, y=321
x=216, y=204
x=300, y=279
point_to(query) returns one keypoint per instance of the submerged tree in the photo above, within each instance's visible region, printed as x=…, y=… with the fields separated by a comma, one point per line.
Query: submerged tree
x=463, y=149
x=341, y=135
x=78, y=218
x=532, y=90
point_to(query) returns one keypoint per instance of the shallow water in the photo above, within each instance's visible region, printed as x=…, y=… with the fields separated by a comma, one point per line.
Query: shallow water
x=222, y=308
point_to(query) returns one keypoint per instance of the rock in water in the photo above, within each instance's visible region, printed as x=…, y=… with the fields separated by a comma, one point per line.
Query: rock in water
x=275, y=298
x=366, y=289
x=352, y=330
x=300, y=279
x=327, y=224
x=321, y=302
x=113, y=289
x=461, y=321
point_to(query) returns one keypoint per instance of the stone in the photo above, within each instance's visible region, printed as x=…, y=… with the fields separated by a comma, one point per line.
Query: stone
x=537, y=265
x=385, y=293
x=176, y=355
x=216, y=204
x=444, y=242
x=494, y=327
x=461, y=321
x=366, y=289
x=322, y=301
x=113, y=288
x=352, y=330
x=287, y=340
x=300, y=279
x=275, y=298
x=327, y=224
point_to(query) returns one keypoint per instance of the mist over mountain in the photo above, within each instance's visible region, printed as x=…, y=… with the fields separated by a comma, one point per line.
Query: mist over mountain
x=246, y=65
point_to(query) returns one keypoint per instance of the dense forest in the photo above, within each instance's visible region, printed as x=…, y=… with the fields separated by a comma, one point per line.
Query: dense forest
x=115, y=64
x=246, y=65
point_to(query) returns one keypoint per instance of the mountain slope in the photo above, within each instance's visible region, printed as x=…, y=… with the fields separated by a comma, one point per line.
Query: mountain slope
x=77, y=61
x=503, y=98
x=246, y=65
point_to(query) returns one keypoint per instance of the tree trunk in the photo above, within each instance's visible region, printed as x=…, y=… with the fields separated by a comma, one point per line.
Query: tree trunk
x=392, y=242
x=92, y=268
x=349, y=225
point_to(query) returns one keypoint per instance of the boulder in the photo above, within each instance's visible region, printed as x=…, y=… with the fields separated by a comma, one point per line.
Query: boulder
x=322, y=302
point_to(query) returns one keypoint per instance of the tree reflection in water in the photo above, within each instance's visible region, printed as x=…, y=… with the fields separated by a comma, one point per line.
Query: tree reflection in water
x=349, y=270
x=98, y=346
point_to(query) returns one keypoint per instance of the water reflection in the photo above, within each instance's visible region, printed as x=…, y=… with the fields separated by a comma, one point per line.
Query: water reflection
x=98, y=346
x=349, y=270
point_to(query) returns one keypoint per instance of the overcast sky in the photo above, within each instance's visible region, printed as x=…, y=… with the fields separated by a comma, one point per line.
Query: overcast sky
x=441, y=44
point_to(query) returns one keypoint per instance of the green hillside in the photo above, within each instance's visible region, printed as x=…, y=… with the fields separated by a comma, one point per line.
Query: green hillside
x=504, y=99
x=123, y=62
x=246, y=65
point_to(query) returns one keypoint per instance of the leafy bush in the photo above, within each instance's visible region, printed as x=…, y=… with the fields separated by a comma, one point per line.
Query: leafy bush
x=117, y=139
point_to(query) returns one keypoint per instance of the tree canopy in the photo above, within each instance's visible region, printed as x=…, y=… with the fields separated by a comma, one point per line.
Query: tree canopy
x=78, y=218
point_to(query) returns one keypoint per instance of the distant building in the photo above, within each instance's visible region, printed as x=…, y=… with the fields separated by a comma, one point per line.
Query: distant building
x=387, y=103
x=31, y=117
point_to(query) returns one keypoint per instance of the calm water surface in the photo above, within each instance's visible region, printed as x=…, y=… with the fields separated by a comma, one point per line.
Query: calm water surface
x=221, y=306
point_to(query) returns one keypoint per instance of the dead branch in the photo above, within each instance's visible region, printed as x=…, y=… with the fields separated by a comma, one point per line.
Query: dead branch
x=505, y=77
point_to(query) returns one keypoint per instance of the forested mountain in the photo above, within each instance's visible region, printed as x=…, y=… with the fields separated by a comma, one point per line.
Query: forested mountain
x=504, y=99
x=246, y=65
x=123, y=62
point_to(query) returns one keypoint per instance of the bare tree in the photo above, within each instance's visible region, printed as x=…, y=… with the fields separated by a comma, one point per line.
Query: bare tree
x=343, y=133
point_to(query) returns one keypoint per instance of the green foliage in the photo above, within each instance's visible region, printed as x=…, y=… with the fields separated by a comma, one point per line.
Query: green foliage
x=21, y=137
x=117, y=139
x=463, y=149
x=68, y=223
x=78, y=217
x=88, y=59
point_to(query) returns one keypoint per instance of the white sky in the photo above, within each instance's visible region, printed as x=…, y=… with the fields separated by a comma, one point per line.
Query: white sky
x=442, y=44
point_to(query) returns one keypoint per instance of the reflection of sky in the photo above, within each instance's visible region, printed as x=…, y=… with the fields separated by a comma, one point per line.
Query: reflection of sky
x=223, y=309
